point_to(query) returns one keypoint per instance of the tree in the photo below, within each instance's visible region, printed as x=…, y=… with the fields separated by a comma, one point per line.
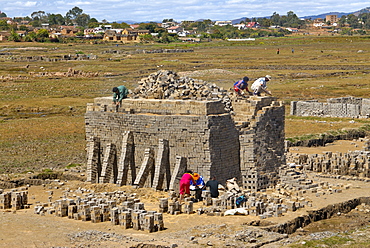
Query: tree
x=365, y=19
x=4, y=25
x=35, y=23
x=14, y=36
x=146, y=38
x=72, y=14
x=23, y=28
x=82, y=20
x=93, y=20
x=42, y=34
x=57, y=19
x=275, y=19
x=31, y=36
x=2, y=14
x=353, y=21
x=39, y=16
x=165, y=38
x=148, y=26
x=265, y=22
x=122, y=25
x=342, y=21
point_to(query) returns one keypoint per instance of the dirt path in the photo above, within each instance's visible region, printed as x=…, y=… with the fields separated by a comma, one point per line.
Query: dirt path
x=23, y=228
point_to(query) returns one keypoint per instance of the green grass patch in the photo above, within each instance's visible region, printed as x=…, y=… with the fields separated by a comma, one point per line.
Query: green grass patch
x=335, y=241
x=41, y=117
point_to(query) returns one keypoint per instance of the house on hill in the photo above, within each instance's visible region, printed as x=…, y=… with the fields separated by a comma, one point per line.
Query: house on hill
x=175, y=30
x=240, y=26
x=4, y=35
x=126, y=35
x=253, y=25
x=223, y=23
x=69, y=30
x=331, y=18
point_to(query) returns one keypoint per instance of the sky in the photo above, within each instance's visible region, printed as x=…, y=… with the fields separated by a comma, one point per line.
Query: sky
x=189, y=10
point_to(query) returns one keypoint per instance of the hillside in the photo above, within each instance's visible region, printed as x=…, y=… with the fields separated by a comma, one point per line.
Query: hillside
x=312, y=17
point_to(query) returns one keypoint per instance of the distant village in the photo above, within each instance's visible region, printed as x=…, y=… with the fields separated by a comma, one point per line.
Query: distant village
x=19, y=29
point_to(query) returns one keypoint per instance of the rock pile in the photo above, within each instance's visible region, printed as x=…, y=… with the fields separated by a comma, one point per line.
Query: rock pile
x=166, y=84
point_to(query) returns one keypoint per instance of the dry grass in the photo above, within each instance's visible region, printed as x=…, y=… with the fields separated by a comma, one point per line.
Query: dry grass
x=42, y=116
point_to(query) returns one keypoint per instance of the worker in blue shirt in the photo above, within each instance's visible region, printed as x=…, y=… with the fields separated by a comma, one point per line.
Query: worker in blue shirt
x=241, y=85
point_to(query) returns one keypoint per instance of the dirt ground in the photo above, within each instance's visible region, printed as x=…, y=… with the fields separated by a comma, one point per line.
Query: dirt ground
x=24, y=228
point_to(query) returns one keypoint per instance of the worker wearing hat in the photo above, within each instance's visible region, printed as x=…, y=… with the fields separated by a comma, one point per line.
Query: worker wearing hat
x=260, y=85
x=198, y=186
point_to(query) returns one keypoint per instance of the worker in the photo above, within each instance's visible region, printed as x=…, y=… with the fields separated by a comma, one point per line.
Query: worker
x=197, y=186
x=119, y=93
x=213, y=186
x=241, y=85
x=260, y=85
x=186, y=178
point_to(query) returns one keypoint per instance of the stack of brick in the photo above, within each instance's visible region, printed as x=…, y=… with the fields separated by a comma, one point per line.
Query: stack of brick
x=72, y=210
x=125, y=219
x=163, y=205
x=207, y=199
x=84, y=212
x=5, y=200
x=105, y=212
x=17, y=201
x=355, y=163
x=158, y=222
x=130, y=213
x=61, y=208
x=188, y=206
x=334, y=107
x=174, y=208
x=96, y=214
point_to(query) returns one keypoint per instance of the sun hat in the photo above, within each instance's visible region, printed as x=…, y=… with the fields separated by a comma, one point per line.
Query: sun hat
x=268, y=77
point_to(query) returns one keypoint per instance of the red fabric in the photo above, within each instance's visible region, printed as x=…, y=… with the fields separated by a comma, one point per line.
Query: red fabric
x=185, y=184
x=236, y=88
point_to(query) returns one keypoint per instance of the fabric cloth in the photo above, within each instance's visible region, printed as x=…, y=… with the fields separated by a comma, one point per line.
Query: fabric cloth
x=240, y=85
x=122, y=93
x=259, y=86
x=232, y=186
x=213, y=188
x=199, y=182
x=185, y=183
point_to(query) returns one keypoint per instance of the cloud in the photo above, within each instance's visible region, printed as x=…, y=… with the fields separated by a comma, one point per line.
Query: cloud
x=149, y=10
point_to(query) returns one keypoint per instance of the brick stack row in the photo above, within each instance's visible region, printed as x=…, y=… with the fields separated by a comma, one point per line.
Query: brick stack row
x=14, y=199
x=127, y=212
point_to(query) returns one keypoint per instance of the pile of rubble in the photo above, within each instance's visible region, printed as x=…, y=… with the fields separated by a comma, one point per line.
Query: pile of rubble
x=166, y=84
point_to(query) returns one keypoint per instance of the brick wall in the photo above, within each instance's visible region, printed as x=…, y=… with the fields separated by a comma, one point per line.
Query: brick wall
x=334, y=107
x=213, y=141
